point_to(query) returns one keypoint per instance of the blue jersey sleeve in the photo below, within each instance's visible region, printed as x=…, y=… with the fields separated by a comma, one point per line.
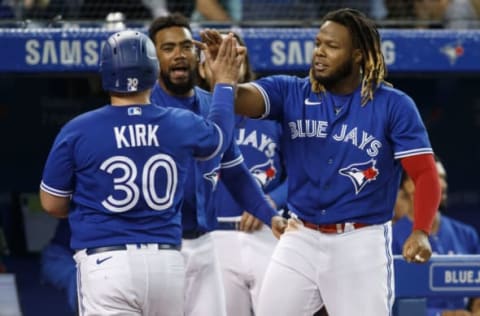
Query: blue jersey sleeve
x=221, y=114
x=408, y=133
x=274, y=90
x=58, y=173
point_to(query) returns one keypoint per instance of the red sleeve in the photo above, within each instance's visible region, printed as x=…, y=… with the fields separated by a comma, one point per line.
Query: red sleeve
x=423, y=171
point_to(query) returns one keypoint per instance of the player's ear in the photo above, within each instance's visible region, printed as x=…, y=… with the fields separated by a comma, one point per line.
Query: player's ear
x=357, y=56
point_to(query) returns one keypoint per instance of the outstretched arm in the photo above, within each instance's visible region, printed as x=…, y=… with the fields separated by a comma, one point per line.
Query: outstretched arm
x=248, y=194
x=248, y=100
x=422, y=170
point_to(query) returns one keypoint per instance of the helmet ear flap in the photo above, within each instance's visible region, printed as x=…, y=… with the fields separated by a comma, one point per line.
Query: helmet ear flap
x=128, y=62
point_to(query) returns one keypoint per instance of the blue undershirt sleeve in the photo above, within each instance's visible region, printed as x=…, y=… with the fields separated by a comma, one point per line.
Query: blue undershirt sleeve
x=247, y=193
x=221, y=111
x=279, y=194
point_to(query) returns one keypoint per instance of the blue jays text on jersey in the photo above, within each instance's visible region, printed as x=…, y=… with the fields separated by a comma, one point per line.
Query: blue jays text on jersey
x=343, y=156
x=260, y=144
x=121, y=194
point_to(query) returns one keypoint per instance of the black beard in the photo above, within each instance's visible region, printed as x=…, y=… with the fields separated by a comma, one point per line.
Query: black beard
x=343, y=72
x=178, y=89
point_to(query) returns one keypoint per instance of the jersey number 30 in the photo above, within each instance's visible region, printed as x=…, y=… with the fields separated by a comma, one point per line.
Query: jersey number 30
x=126, y=183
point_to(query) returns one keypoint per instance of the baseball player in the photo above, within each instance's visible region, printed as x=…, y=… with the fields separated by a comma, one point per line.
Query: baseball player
x=57, y=264
x=348, y=135
x=179, y=60
x=244, y=255
x=448, y=237
x=118, y=173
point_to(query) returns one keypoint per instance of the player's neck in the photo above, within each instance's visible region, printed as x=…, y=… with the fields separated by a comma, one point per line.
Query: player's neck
x=346, y=85
x=126, y=99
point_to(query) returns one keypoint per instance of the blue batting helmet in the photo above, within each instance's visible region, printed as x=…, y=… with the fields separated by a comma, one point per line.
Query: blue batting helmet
x=129, y=62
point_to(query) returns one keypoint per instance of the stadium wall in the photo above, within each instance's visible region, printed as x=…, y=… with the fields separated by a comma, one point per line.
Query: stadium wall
x=49, y=75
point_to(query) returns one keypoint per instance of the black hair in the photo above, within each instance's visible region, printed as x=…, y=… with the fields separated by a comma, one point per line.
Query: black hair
x=172, y=20
x=365, y=36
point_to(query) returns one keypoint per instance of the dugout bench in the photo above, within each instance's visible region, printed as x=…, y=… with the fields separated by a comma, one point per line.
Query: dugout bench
x=442, y=275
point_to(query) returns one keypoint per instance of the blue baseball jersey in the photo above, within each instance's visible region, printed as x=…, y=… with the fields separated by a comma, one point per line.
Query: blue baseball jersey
x=343, y=157
x=260, y=143
x=453, y=237
x=124, y=168
x=203, y=176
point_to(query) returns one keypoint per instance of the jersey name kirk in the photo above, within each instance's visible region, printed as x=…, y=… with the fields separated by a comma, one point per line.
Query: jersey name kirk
x=138, y=135
x=353, y=135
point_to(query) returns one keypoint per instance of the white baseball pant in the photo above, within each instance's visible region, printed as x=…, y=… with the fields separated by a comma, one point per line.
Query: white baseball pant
x=351, y=273
x=141, y=280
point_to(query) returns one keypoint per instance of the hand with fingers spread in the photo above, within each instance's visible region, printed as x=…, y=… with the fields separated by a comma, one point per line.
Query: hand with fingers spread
x=224, y=67
x=212, y=39
x=417, y=247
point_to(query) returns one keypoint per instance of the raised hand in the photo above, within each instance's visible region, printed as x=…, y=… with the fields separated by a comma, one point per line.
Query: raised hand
x=212, y=39
x=225, y=66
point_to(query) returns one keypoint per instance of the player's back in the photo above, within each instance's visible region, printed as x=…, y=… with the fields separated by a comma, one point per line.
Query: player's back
x=130, y=164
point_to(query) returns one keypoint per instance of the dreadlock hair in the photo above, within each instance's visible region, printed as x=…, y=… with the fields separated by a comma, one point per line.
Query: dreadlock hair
x=163, y=22
x=365, y=37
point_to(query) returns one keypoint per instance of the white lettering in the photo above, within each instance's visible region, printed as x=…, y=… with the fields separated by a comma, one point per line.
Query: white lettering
x=265, y=140
x=152, y=135
x=461, y=277
x=251, y=139
x=388, y=50
x=62, y=52
x=91, y=54
x=120, y=137
x=49, y=53
x=351, y=136
x=33, y=56
x=373, y=150
x=278, y=53
x=366, y=138
x=138, y=135
x=293, y=130
x=70, y=52
x=293, y=52
x=295, y=56
x=308, y=128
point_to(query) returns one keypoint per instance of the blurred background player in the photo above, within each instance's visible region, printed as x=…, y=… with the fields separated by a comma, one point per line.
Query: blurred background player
x=448, y=237
x=118, y=172
x=57, y=265
x=204, y=293
x=350, y=134
x=243, y=244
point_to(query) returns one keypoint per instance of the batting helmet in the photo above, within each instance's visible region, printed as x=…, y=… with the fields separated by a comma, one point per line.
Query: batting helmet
x=129, y=62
